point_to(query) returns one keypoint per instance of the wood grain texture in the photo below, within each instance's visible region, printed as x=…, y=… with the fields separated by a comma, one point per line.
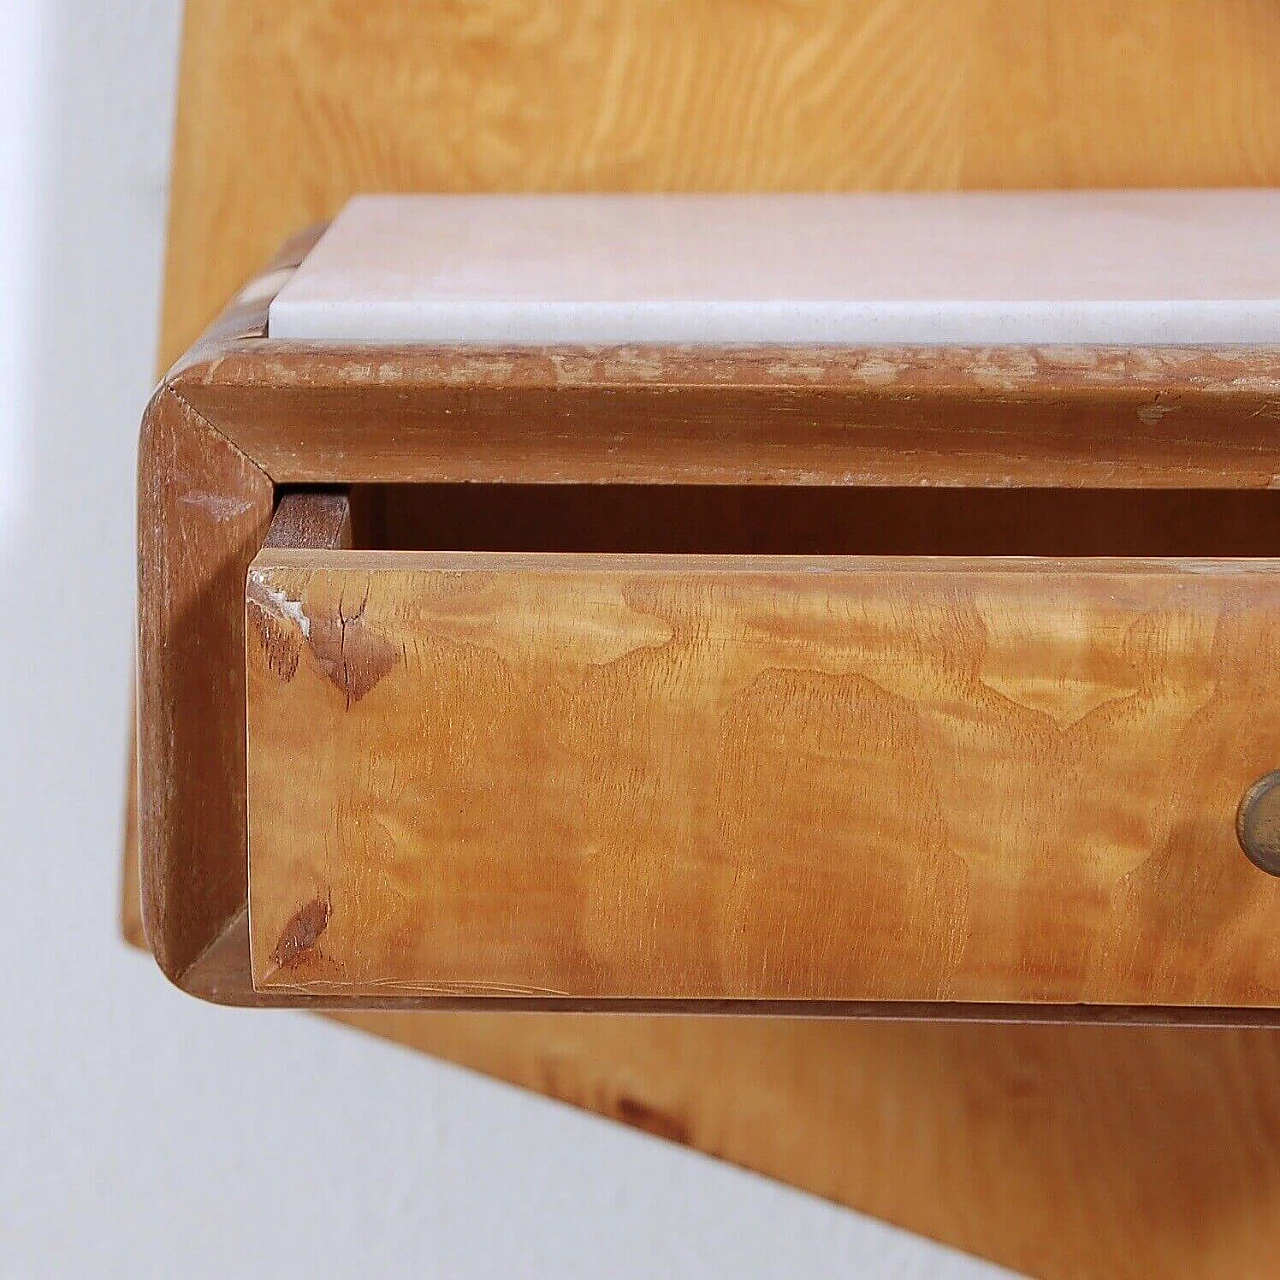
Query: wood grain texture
x=220, y=396
x=323, y=99
x=311, y=521
x=718, y=778
x=210, y=481
x=1105, y=417
x=204, y=509
x=1064, y=1152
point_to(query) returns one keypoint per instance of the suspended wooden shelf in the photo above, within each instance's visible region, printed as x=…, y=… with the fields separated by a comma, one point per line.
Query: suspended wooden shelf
x=1059, y=1150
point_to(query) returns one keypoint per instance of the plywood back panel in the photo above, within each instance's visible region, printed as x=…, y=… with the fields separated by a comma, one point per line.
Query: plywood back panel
x=287, y=109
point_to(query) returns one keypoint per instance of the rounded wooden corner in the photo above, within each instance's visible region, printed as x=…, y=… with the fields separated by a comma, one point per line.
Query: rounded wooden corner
x=203, y=510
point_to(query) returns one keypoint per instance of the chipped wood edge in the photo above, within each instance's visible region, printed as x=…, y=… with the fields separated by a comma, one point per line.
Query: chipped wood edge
x=1103, y=417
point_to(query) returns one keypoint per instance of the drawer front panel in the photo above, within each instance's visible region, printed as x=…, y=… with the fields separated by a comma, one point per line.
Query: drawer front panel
x=629, y=777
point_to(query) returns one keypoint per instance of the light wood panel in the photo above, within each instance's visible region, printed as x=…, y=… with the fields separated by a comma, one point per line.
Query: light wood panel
x=318, y=100
x=760, y=778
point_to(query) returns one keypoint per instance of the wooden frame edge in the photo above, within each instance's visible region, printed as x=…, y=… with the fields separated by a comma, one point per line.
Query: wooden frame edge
x=1071, y=417
x=244, y=317
x=203, y=511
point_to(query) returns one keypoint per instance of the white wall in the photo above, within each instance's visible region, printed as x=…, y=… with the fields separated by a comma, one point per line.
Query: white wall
x=141, y=1133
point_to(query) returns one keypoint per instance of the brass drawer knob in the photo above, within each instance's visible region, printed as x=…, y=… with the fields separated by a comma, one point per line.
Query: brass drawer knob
x=1258, y=823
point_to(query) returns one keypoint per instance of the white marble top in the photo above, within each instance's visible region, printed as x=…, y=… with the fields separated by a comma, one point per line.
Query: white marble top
x=1024, y=267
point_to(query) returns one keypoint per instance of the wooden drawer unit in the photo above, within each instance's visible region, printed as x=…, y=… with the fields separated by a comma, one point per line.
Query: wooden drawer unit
x=1061, y=1151
x=823, y=678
